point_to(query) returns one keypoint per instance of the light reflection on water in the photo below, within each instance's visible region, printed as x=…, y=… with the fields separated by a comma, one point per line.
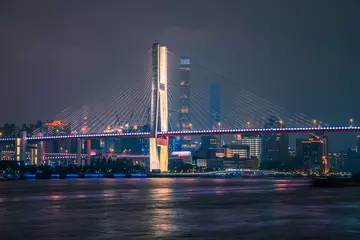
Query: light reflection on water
x=161, y=216
x=177, y=209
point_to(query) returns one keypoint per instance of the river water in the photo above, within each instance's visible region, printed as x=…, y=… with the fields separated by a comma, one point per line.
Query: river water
x=177, y=209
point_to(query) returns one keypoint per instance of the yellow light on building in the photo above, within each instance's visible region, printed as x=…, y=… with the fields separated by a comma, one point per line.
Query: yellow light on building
x=184, y=110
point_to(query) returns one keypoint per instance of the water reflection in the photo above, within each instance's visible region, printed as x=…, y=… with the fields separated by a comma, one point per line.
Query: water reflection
x=161, y=220
x=177, y=209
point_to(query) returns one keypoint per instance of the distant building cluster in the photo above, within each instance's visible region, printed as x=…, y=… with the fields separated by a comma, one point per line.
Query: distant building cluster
x=267, y=151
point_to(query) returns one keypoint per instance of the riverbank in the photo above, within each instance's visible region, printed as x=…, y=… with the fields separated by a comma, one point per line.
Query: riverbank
x=33, y=176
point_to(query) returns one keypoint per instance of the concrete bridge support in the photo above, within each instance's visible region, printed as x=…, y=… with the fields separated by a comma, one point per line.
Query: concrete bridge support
x=88, y=151
x=37, y=153
x=159, y=109
x=78, y=153
x=40, y=153
x=20, y=147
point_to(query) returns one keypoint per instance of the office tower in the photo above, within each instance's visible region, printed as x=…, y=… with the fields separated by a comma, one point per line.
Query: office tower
x=185, y=103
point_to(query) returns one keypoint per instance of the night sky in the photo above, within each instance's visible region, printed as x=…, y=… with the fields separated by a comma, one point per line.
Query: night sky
x=301, y=55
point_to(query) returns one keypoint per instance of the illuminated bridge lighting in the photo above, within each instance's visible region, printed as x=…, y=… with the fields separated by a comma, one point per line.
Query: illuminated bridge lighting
x=197, y=132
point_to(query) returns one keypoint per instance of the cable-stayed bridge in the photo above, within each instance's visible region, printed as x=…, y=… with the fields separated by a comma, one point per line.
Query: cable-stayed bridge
x=166, y=102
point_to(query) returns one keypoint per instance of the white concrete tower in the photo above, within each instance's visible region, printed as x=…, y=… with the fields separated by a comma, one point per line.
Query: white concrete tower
x=159, y=108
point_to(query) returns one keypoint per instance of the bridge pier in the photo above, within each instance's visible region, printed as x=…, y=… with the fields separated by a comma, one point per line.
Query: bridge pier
x=20, y=147
x=78, y=154
x=37, y=153
x=40, y=153
x=34, y=154
x=88, y=152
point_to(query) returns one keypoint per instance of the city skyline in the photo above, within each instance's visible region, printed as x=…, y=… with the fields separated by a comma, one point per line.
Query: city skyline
x=64, y=63
x=168, y=119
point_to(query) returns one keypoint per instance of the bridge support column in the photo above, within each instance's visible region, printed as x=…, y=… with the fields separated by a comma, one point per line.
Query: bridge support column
x=158, y=105
x=88, y=152
x=78, y=154
x=20, y=147
x=40, y=153
x=154, y=162
x=34, y=154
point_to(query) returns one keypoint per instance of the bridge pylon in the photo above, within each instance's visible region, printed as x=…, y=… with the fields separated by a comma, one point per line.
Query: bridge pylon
x=20, y=146
x=159, y=109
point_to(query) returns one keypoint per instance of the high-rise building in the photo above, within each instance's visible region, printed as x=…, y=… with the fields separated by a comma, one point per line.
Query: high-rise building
x=254, y=142
x=10, y=130
x=275, y=147
x=335, y=162
x=351, y=161
x=55, y=127
x=237, y=151
x=185, y=102
x=358, y=145
x=214, y=120
x=210, y=142
x=309, y=153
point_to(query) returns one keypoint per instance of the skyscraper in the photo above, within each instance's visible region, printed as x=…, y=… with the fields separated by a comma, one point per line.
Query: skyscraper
x=309, y=152
x=254, y=142
x=275, y=147
x=185, y=102
x=214, y=120
x=358, y=145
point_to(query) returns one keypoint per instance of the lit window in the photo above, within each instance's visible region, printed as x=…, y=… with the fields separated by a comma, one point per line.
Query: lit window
x=184, y=110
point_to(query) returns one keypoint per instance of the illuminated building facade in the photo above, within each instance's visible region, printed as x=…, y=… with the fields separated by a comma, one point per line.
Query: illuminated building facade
x=254, y=142
x=237, y=151
x=54, y=128
x=185, y=103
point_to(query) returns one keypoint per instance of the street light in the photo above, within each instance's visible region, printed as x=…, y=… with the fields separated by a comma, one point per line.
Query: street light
x=281, y=123
x=314, y=121
x=351, y=120
x=248, y=124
